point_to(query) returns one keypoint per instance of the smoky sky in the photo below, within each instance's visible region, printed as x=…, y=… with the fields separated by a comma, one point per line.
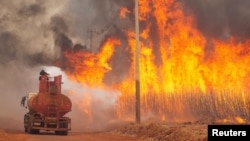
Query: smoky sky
x=220, y=18
x=36, y=32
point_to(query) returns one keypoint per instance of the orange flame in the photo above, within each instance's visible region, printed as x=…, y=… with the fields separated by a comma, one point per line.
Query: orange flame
x=179, y=73
x=90, y=68
x=237, y=119
x=123, y=12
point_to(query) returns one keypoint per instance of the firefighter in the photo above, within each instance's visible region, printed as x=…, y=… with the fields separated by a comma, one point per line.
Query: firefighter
x=43, y=72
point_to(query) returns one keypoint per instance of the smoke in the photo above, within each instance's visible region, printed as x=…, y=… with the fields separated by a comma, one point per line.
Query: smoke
x=221, y=18
x=25, y=33
x=26, y=43
x=92, y=20
x=33, y=36
x=93, y=109
x=35, y=32
x=16, y=81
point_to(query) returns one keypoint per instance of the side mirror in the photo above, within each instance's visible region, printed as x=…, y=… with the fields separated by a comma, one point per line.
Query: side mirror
x=23, y=101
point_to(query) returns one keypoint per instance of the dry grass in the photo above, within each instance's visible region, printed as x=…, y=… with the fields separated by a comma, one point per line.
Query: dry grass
x=163, y=132
x=196, y=105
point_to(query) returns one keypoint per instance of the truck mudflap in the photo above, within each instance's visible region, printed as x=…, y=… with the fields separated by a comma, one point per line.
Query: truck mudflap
x=34, y=123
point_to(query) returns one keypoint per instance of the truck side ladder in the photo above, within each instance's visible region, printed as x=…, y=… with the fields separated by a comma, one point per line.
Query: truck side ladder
x=53, y=106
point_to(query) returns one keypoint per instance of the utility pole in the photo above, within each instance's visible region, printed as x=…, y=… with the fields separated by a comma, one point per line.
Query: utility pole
x=91, y=31
x=137, y=66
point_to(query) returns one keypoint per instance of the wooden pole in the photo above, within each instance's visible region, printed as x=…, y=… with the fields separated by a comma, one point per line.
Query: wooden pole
x=137, y=65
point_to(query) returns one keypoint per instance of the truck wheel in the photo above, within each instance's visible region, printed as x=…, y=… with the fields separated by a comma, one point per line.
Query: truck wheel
x=29, y=130
x=35, y=131
x=65, y=133
x=57, y=132
x=25, y=129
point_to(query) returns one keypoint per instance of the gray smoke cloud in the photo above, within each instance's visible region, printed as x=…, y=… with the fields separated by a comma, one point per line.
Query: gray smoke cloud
x=35, y=32
x=96, y=16
x=25, y=33
x=221, y=18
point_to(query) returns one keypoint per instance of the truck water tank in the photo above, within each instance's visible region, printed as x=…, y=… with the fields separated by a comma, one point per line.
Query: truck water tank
x=45, y=103
x=49, y=101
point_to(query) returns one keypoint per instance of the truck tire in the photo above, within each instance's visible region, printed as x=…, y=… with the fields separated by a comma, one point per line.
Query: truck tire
x=29, y=130
x=25, y=129
x=32, y=131
x=57, y=132
x=36, y=131
x=64, y=133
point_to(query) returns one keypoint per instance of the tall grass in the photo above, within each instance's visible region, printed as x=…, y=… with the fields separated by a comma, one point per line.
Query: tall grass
x=214, y=105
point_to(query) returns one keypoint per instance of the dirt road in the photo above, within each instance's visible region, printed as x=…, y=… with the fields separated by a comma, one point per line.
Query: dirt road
x=147, y=131
x=73, y=136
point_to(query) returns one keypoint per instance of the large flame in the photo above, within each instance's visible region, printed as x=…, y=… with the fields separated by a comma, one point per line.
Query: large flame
x=181, y=70
x=90, y=68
